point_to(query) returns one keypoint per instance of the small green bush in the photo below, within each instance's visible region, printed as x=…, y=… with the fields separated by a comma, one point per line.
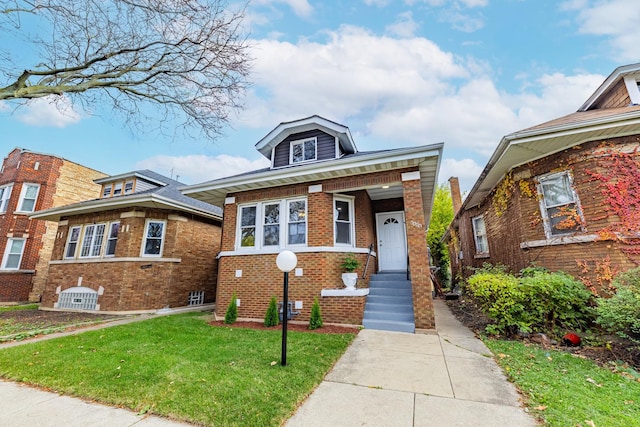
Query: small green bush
x=315, y=321
x=539, y=301
x=271, y=317
x=620, y=314
x=232, y=311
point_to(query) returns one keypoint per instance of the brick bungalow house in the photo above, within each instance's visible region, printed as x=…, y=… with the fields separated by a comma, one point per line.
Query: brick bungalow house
x=323, y=199
x=564, y=194
x=31, y=181
x=140, y=247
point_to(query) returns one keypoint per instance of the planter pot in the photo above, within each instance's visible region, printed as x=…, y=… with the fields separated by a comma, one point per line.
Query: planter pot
x=349, y=280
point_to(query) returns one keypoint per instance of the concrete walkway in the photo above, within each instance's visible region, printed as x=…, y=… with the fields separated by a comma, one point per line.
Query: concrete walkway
x=447, y=378
x=415, y=380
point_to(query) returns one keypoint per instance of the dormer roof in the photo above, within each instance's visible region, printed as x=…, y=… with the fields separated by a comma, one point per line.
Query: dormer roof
x=285, y=129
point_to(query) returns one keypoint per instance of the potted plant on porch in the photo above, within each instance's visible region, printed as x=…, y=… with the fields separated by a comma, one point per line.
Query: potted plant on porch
x=350, y=263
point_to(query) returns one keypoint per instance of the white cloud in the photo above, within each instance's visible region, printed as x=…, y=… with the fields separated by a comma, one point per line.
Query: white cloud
x=404, y=26
x=55, y=111
x=301, y=8
x=617, y=19
x=466, y=170
x=4, y=106
x=200, y=168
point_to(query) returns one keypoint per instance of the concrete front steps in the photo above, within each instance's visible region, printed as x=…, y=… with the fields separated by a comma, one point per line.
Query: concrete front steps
x=389, y=305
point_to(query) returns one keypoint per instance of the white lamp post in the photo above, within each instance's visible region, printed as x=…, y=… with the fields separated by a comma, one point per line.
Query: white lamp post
x=286, y=261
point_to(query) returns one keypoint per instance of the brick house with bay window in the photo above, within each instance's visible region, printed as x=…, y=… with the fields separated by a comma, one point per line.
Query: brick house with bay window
x=30, y=181
x=140, y=247
x=564, y=195
x=323, y=199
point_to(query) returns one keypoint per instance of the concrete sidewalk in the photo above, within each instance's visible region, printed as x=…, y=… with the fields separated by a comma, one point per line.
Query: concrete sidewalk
x=415, y=380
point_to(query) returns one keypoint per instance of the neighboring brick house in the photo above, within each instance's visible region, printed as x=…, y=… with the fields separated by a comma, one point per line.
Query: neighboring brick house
x=322, y=199
x=564, y=195
x=142, y=246
x=31, y=181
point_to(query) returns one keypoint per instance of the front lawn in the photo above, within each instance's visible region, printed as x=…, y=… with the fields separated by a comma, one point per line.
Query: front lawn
x=181, y=367
x=566, y=390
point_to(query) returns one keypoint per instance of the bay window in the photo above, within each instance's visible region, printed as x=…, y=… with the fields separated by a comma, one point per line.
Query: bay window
x=72, y=242
x=153, y=238
x=92, y=241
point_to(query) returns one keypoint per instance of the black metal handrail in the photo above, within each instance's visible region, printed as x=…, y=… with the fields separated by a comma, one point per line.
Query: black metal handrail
x=366, y=264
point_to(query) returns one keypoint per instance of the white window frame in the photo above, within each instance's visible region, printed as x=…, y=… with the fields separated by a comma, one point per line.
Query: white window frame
x=7, y=253
x=5, y=195
x=75, y=242
x=145, y=237
x=131, y=184
x=302, y=142
x=92, y=244
x=23, y=194
x=108, y=239
x=118, y=189
x=544, y=208
x=265, y=224
x=106, y=191
x=351, y=222
x=283, y=236
x=480, y=237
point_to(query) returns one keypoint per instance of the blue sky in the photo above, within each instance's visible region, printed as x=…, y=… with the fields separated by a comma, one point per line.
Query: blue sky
x=397, y=73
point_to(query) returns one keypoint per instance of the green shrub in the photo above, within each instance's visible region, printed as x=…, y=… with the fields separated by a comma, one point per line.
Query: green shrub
x=271, y=317
x=315, y=321
x=620, y=314
x=232, y=311
x=556, y=300
x=500, y=299
x=539, y=301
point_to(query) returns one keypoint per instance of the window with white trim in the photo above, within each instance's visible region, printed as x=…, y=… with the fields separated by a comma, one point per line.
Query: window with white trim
x=277, y=223
x=5, y=194
x=304, y=150
x=117, y=189
x=480, y=235
x=559, y=204
x=112, y=239
x=13, y=254
x=72, y=242
x=153, y=241
x=343, y=221
x=106, y=190
x=28, y=197
x=128, y=187
x=92, y=241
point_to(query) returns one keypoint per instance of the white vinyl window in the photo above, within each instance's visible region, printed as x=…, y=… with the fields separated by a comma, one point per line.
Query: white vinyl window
x=5, y=194
x=106, y=190
x=128, y=187
x=559, y=204
x=72, y=242
x=153, y=241
x=112, y=239
x=13, y=254
x=343, y=221
x=28, y=197
x=303, y=150
x=277, y=223
x=480, y=235
x=92, y=241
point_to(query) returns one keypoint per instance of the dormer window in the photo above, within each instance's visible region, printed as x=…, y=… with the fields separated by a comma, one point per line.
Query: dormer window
x=304, y=150
x=128, y=187
x=106, y=190
x=117, y=190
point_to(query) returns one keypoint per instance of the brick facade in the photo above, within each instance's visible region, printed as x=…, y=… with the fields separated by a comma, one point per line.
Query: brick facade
x=61, y=182
x=521, y=222
x=255, y=278
x=131, y=282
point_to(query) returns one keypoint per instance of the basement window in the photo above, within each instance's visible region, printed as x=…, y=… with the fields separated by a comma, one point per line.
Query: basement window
x=196, y=297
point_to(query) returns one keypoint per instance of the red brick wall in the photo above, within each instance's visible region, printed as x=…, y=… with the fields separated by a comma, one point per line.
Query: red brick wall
x=61, y=182
x=143, y=283
x=522, y=220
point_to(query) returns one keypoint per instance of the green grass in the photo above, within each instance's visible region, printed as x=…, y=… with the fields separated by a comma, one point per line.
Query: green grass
x=565, y=390
x=19, y=307
x=179, y=366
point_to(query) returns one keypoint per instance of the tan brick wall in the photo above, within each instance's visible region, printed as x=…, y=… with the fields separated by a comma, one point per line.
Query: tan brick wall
x=143, y=284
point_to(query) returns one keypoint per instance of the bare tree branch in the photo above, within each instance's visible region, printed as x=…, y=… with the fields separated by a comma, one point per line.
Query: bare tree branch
x=186, y=58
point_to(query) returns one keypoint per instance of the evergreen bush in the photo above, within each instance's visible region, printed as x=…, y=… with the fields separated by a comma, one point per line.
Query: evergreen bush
x=232, y=311
x=315, y=321
x=271, y=317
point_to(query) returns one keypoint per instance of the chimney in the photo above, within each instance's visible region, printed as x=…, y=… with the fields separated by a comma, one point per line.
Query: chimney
x=456, y=197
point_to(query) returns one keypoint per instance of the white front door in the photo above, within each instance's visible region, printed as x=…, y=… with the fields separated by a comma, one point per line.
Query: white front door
x=392, y=241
